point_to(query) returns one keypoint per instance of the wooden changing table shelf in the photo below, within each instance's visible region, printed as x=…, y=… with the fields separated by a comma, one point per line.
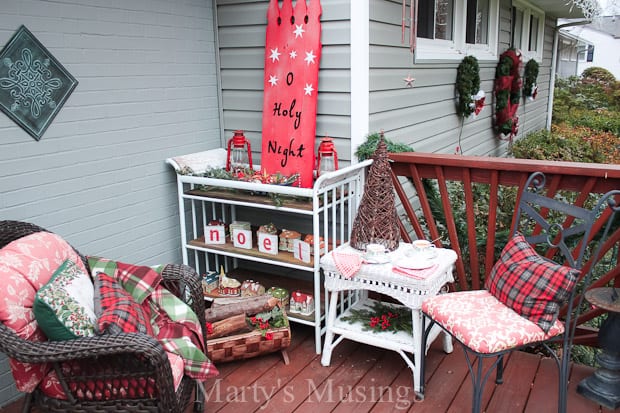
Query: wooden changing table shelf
x=326, y=211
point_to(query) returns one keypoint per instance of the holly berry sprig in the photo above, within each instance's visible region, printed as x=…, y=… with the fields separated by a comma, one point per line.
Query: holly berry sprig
x=382, y=317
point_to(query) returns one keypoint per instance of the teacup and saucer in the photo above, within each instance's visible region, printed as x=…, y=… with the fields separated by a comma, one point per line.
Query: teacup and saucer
x=423, y=249
x=376, y=254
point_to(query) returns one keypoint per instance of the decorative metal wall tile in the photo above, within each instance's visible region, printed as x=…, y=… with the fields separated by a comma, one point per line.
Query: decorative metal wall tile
x=33, y=84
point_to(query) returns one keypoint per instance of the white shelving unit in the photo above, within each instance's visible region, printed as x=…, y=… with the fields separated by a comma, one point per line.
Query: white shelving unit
x=327, y=210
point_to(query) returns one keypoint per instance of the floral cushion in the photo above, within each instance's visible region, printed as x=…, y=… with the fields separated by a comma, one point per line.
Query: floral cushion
x=116, y=310
x=26, y=265
x=533, y=286
x=481, y=322
x=64, y=306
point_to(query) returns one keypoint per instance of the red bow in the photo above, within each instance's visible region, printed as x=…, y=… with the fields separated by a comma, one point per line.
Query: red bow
x=479, y=105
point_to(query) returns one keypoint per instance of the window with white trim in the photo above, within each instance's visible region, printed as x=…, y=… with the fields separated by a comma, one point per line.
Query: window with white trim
x=452, y=29
x=583, y=51
x=590, y=53
x=528, y=28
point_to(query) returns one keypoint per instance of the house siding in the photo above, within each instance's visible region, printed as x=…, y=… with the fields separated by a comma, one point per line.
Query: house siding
x=241, y=38
x=533, y=114
x=147, y=91
x=424, y=116
x=603, y=34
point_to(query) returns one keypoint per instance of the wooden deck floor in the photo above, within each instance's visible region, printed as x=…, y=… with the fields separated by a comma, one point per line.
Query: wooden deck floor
x=363, y=379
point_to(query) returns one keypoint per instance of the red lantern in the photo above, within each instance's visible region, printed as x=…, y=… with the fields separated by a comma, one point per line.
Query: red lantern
x=239, y=157
x=327, y=159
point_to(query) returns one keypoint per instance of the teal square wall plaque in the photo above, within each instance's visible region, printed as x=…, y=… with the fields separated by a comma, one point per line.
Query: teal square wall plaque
x=33, y=84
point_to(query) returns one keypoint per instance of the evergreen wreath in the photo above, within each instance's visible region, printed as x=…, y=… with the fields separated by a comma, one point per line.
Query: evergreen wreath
x=507, y=93
x=467, y=85
x=530, y=75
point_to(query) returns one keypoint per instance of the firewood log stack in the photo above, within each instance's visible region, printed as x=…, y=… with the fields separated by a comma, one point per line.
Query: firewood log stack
x=228, y=316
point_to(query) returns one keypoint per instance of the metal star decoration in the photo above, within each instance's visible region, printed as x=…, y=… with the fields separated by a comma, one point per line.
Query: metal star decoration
x=409, y=81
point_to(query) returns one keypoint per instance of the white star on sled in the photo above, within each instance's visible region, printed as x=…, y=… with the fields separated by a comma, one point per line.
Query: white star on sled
x=308, y=89
x=299, y=31
x=275, y=55
x=309, y=57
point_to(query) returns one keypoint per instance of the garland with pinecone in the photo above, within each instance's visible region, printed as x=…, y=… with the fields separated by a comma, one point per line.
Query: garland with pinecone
x=530, y=88
x=470, y=99
x=507, y=93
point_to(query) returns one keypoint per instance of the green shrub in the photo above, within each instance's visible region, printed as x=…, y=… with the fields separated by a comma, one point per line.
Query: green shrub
x=598, y=120
x=615, y=95
x=562, y=144
x=599, y=75
x=367, y=149
x=596, y=89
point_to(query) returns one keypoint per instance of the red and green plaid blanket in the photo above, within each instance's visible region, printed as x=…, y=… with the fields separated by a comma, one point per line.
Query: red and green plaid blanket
x=175, y=325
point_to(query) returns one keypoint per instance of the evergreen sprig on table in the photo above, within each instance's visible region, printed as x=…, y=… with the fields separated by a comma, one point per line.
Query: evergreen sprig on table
x=382, y=317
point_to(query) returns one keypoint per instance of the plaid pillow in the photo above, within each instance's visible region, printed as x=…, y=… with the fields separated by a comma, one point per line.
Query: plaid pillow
x=531, y=285
x=116, y=310
x=139, y=281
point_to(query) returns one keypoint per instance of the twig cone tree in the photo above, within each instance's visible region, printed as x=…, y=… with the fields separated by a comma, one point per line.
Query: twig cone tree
x=377, y=221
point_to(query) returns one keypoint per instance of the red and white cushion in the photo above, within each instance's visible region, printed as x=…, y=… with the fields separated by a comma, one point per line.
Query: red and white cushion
x=481, y=322
x=26, y=265
x=113, y=389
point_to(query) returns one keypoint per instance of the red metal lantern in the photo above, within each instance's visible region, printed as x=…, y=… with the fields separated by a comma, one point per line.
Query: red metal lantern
x=327, y=159
x=239, y=157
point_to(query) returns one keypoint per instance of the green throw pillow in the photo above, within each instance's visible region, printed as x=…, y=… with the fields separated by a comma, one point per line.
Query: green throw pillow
x=64, y=307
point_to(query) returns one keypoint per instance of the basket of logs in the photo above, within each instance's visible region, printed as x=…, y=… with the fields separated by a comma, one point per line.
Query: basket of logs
x=244, y=327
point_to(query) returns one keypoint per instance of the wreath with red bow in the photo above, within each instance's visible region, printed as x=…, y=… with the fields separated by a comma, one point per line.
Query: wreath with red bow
x=470, y=99
x=530, y=74
x=507, y=93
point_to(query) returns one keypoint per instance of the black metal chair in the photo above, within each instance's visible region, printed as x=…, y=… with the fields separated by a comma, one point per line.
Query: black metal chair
x=104, y=357
x=563, y=239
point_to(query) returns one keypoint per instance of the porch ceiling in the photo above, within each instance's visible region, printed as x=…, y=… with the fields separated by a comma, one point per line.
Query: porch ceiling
x=559, y=8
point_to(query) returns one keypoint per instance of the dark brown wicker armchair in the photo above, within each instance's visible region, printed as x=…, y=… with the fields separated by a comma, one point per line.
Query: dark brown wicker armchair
x=135, y=357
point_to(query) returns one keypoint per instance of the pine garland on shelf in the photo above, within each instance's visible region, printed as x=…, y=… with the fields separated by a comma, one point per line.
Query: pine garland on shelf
x=247, y=175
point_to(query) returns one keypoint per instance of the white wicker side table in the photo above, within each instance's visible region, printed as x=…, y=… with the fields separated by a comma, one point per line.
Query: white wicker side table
x=380, y=278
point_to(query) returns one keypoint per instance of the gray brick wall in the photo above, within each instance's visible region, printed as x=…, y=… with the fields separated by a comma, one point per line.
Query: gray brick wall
x=147, y=91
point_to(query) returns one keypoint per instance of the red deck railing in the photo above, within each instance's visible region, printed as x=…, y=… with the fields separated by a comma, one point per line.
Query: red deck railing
x=461, y=215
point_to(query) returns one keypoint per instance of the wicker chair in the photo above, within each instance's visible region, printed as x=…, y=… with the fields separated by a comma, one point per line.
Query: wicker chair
x=108, y=356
